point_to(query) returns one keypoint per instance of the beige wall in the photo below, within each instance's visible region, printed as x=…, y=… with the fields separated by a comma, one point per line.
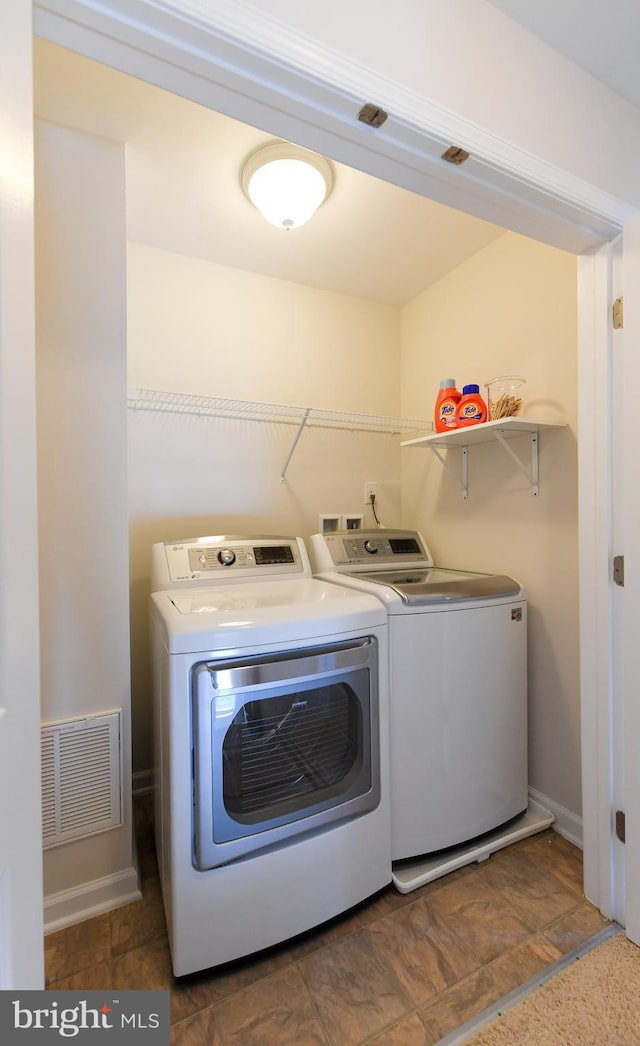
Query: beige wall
x=82, y=493
x=510, y=309
x=196, y=327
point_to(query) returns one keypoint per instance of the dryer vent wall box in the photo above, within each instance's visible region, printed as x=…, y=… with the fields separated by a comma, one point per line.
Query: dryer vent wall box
x=328, y=521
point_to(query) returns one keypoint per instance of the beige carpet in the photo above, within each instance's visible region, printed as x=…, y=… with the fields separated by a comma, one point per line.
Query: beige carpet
x=593, y=1002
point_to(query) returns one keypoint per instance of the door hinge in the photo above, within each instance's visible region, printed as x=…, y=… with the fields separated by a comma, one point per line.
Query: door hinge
x=455, y=154
x=618, y=570
x=620, y=826
x=372, y=115
x=617, y=314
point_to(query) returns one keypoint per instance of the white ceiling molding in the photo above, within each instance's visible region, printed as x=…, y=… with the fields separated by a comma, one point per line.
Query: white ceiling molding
x=233, y=58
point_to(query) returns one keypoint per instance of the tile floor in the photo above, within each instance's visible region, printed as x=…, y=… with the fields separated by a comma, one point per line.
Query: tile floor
x=401, y=970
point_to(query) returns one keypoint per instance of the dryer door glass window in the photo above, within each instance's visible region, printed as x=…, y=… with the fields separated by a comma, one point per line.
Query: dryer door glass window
x=282, y=745
x=282, y=754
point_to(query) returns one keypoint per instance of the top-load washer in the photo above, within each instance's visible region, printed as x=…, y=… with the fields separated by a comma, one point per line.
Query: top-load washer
x=458, y=699
x=271, y=745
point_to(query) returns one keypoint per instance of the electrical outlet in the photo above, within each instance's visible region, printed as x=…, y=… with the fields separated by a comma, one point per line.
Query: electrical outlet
x=369, y=489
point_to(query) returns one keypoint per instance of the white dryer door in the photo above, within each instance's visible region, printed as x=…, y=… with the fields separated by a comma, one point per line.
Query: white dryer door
x=282, y=744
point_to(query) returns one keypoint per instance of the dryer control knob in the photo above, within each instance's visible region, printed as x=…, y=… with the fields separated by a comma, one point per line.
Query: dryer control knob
x=370, y=547
x=226, y=557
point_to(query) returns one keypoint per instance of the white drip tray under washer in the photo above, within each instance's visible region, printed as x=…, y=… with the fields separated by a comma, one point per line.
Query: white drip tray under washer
x=409, y=875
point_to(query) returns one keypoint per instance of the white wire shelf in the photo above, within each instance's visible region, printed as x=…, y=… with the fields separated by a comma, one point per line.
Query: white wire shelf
x=218, y=407
x=276, y=413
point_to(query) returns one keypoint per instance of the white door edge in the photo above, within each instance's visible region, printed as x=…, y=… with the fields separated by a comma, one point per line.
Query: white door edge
x=618, y=600
x=21, y=941
x=627, y=398
x=594, y=457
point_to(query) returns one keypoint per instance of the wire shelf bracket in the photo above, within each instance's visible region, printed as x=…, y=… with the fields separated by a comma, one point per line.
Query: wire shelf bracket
x=283, y=474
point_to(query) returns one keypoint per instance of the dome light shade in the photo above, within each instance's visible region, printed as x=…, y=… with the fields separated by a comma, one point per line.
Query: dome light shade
x=287, y=184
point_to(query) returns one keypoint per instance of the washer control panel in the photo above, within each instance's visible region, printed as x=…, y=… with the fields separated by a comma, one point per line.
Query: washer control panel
x=374, y=548
x=224, y=557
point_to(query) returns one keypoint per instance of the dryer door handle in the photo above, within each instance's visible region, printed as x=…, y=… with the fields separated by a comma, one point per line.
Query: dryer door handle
x=321, y=662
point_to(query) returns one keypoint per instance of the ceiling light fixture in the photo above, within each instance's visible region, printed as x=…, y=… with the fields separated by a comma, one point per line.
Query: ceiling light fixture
x=286, y=183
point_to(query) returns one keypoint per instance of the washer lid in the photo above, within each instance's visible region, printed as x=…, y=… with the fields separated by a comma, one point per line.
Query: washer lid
x=441, y=585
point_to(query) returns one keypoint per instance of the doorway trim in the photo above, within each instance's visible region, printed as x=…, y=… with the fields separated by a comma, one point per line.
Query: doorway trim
x=595, y=528
x=248, y=66
x=293, y=88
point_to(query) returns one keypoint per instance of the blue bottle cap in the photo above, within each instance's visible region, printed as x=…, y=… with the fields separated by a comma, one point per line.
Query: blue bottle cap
x=468, y=390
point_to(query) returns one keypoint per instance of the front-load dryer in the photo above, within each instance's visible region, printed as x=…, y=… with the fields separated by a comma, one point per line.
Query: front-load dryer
x=271, y=745
x=458, y=699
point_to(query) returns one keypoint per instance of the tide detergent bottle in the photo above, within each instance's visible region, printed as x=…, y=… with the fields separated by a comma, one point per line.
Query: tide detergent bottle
x=471, y=409
x=446, y=404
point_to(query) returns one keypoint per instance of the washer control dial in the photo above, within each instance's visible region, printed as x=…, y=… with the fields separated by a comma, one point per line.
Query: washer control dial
x=226, y=556
x=370, y=547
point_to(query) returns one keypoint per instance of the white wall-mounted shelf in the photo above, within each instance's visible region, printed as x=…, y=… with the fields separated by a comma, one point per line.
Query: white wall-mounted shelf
x=276, y=413
x=503, y=431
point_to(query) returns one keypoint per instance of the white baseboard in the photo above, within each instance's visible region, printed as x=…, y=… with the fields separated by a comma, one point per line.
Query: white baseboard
x=90, y=899
x=567, y=824
x=99, y=895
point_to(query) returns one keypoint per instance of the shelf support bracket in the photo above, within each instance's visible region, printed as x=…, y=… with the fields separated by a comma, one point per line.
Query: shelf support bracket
x=463, y=482
x=532, y=475
x=297, y=436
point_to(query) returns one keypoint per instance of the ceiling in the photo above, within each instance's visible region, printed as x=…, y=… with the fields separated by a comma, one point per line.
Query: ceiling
x=601, y=36
x=371, y=239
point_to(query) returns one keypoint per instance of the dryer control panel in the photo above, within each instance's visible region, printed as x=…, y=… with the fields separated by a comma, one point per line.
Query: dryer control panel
x=226, y=557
